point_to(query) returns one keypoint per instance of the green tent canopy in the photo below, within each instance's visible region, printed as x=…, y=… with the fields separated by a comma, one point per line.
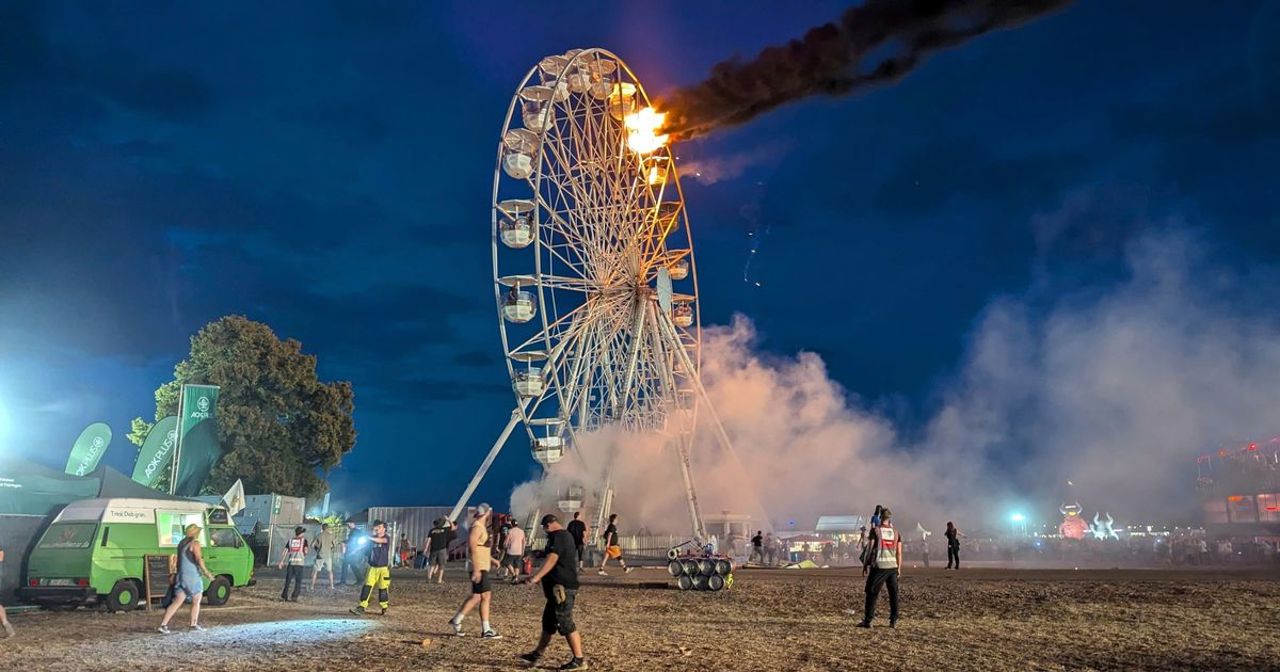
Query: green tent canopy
x=30, y=488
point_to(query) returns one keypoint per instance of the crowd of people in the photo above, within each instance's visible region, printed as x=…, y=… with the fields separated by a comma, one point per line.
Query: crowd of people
x=505, y=558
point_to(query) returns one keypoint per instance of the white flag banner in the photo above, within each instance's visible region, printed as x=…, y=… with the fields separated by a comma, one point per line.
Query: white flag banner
x=924, y=534
x=234, y=499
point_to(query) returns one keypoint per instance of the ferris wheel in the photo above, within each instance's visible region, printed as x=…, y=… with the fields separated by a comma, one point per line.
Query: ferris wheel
x=594, y=273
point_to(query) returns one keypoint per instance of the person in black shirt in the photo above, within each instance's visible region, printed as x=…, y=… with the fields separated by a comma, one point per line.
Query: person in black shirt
x=438, y=548
x=578, y=530
x=757, y=547
x=379, y=573
x=611, y=547
x=953, y=545
x=559, y=578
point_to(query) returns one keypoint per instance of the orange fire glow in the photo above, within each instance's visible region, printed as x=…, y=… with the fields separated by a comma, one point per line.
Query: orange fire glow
x=642, y=130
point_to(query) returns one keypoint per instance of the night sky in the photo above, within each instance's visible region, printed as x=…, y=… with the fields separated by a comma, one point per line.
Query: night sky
x=326, y=167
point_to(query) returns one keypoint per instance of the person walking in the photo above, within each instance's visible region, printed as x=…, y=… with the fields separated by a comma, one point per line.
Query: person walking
x=351, y=548
x=513, y=552
x=757, y=547
x=292, y=561
x=953, y=545
x=481, y=563
x=190, y=583
x=559, y=578
x=4, y=623
x=611, y=547
x=578, y=532
x=885, y=562
x=404, y=549
x=438, y=548
x=379, y=572
x=325, y=544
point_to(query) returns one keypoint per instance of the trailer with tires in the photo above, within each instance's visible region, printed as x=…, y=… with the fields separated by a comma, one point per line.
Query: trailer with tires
x=698, y=567
x=94, y=552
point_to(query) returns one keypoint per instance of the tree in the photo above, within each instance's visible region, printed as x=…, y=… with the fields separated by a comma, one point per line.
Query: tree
x=280, y=428
x=138, y=431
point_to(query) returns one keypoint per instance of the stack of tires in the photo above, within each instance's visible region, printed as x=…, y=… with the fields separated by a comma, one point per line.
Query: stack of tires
x=710, y=574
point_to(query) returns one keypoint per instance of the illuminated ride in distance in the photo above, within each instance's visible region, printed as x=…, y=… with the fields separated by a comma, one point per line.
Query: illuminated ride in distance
x=594, y=277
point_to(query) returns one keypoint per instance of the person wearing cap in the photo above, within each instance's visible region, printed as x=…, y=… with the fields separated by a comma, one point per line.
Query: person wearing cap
x=513, y=551
x=379, y=573
x=559, y=578
x=292, y=561
x=438, y=548
x=189, y=584
x=884, y=559
x=481, y=563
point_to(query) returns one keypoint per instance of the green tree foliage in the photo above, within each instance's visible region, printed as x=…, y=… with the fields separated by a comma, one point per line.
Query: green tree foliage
x=280, y=427
x=138, y=431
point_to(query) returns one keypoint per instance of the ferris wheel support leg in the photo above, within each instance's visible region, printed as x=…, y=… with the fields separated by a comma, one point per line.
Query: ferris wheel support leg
x=669, y=328
x=686, y=472
x=484, y=466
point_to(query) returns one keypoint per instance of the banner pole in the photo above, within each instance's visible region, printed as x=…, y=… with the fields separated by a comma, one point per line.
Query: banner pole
x=177, y=448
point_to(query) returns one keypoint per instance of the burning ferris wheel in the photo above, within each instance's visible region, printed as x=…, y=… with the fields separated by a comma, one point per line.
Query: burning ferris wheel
x=594, y=272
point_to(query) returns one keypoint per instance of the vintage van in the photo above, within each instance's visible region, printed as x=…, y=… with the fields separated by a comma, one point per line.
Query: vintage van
x=93, y=551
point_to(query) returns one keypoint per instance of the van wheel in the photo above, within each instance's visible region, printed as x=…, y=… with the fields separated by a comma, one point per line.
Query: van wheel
x=219, y=592
x=124, y=596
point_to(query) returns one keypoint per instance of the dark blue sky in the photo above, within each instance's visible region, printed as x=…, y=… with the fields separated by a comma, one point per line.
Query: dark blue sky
x=325, y=167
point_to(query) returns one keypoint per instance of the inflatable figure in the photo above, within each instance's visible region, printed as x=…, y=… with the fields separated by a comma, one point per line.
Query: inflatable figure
x=1103, y=530
x=1073, y=526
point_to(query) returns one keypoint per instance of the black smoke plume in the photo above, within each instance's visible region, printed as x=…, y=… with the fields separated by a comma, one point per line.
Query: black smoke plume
x=877, y=42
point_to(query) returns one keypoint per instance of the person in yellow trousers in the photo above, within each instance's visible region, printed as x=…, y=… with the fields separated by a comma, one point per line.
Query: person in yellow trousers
x=379, y=573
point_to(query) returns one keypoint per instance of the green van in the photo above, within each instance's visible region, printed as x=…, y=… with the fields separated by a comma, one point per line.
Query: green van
x=93, y=551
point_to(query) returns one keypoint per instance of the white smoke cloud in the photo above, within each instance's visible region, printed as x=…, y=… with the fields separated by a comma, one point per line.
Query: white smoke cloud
x=1115, y=390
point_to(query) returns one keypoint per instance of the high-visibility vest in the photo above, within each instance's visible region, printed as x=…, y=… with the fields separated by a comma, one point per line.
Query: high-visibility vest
x=297, y=549
x=886, y=547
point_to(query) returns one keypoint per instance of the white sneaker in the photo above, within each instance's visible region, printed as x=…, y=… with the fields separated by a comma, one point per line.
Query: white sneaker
x=196, y=627
x=602, y=573
x=164, y=630
x=457, y=629
x=628, y=570
x=491, y=634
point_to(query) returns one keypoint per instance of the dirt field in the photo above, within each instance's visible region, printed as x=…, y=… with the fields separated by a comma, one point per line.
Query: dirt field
x=979, y=619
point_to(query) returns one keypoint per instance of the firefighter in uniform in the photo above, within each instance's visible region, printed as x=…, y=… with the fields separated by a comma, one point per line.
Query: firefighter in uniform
x=379, y=573
x=883, y=561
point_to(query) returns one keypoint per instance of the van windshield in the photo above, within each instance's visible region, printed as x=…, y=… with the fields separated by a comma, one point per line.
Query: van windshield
x=69, y=535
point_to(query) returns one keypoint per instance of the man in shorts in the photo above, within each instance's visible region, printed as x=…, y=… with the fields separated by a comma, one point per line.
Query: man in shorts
x=438, y=549
x=611, y=547
x=513, y=552
x=325, y=545
x=481, y=562
x=559, y=578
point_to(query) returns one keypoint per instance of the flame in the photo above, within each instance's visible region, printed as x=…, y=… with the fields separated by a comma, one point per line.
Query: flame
x=642, y=130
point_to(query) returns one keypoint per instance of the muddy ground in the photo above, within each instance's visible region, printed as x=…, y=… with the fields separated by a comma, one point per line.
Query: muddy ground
x=977, y=619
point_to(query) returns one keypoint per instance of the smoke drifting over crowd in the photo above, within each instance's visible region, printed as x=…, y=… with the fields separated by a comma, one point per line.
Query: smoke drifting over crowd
x=1114, y=390
x=876, y=42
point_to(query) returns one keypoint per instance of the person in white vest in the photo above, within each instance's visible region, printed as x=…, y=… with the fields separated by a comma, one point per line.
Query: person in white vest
x=883, y=561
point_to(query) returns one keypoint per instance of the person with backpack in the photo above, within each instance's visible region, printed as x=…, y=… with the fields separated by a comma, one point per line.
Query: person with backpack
x=292, y=561
x=884, y=560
